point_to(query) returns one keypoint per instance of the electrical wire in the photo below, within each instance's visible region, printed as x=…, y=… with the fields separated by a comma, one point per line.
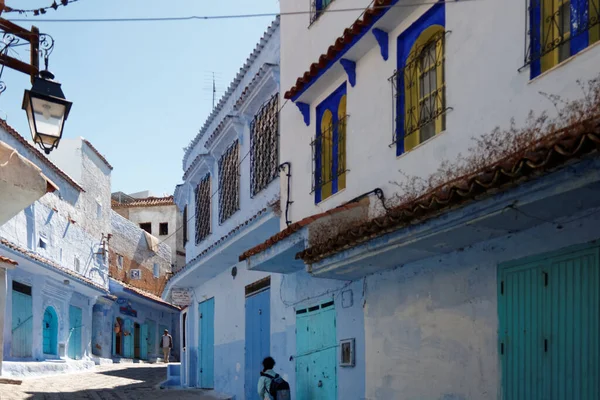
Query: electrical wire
x=236, y=16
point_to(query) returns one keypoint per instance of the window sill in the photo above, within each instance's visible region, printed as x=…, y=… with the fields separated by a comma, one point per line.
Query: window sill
x=330, y=197
x=420, y=144
x=561, y=64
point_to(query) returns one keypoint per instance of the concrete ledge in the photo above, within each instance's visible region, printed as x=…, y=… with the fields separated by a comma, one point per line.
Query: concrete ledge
x=25, y=369
x=102, y=361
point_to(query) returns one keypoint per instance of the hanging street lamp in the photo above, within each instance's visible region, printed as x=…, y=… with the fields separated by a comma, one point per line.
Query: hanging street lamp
x=47, y=110
x=45, y=104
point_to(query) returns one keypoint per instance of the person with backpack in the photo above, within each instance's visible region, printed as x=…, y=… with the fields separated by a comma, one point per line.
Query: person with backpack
x=270, y=385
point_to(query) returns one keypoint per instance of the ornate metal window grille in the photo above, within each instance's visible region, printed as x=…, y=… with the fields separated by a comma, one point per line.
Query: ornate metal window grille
x=264, y=146
x=203, y=200
x=329, y=155
x=553, y=25
x=317, y=7
x=229, y=183
x=419, y=92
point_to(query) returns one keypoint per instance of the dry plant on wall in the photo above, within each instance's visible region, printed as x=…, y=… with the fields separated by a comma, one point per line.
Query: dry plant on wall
x=505, y=144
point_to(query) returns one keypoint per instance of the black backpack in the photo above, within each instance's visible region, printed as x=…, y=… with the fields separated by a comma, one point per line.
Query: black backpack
x=279, y=389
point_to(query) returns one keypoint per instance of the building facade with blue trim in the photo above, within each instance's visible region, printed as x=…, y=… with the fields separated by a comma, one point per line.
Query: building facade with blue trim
x=465, y=229
x=60, y=244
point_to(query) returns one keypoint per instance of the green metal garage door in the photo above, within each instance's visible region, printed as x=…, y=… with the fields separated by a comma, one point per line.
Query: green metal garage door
x=549, y=326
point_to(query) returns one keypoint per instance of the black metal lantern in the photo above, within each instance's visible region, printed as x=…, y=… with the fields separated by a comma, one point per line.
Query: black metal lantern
x=47, y=110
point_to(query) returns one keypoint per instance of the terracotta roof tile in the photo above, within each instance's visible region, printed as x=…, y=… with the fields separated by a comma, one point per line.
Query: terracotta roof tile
x=97, y=153
x=11, y=131
x=7, y=260
x=145, y=202
x=375, y=10
x=145, y=294
x=37, y=257
x=293, y=228
x=570, y=144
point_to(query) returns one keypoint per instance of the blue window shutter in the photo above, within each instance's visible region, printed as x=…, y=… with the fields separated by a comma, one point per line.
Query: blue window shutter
x=579, y=25
x=535, y=37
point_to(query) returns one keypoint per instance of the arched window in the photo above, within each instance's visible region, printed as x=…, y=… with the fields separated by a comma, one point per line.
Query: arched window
x=424, y=88
x=50, y=331
x=329, y=146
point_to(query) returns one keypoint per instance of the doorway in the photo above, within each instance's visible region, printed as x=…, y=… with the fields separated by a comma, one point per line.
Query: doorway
x=22, y=323
x=136, y=341
x=316, y=350
x=50, y=331
x=75, y=324
x=258, y=332
x=118, y=337
x=206, y=356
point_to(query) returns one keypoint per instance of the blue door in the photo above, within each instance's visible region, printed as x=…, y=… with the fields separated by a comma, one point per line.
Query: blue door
x=151, y=336
x=128, y=339
x=549, y=309
x=75, y=324
x=316, y=351
x=258, y=332
x=206, y=350
x=144, y=342
x=50, y=331
x=22, y=321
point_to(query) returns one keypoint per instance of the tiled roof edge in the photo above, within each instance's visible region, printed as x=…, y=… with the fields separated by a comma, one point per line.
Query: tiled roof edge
x=100, y=156
x=569, y=144
x=11, y=131
x=232, y=86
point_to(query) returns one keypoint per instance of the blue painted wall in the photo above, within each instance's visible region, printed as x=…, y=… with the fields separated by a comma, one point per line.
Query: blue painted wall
x=431, y=326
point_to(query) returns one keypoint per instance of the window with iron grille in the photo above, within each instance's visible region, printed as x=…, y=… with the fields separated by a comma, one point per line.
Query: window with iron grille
x=419, y=92
x=317, y=8
x=559, y=29
x=229, y=183
x=203, y=199
x=329, y=146
x=264, y=146
x=185, y=225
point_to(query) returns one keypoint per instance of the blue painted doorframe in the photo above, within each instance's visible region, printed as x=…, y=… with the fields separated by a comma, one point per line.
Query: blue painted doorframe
x=206, y=349
x=144, y=341
x=316, y=352
x=75, y=325
x=549, y=309
x=258, y=332
x=22, y=321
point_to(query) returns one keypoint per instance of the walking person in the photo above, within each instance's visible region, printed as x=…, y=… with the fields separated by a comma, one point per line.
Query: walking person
x=270, y=385
x=167, y=345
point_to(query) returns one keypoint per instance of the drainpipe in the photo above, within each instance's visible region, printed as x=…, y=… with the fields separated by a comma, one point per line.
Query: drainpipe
x=282, y=167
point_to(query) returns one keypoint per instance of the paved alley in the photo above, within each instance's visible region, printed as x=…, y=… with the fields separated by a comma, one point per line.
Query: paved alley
x=115, y=382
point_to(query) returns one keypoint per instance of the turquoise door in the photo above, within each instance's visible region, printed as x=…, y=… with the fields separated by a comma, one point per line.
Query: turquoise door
x=206, y=350
x=75, y=325
x=22, y=321
x=50, y=331
x=549, y=325
x=144, y=341
x=151, y=336
x=128, y=339
x=258, y=332
x=316, y=348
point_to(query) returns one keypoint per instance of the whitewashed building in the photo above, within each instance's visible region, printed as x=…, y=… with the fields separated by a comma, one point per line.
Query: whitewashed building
x=60, y=245
x=453, y=244
x=159, y=216
x=230, y=195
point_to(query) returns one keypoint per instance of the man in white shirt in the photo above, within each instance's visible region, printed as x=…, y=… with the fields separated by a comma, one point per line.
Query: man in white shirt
x=167, y=345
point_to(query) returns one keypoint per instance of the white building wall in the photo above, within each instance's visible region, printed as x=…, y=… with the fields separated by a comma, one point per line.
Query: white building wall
x=484, y=51
x=249, y=206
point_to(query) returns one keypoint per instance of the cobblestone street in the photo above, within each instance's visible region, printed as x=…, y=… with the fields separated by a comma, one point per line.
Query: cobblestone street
x=115, y=382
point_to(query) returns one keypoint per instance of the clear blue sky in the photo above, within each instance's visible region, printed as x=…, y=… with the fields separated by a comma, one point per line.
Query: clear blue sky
x=140, y=91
